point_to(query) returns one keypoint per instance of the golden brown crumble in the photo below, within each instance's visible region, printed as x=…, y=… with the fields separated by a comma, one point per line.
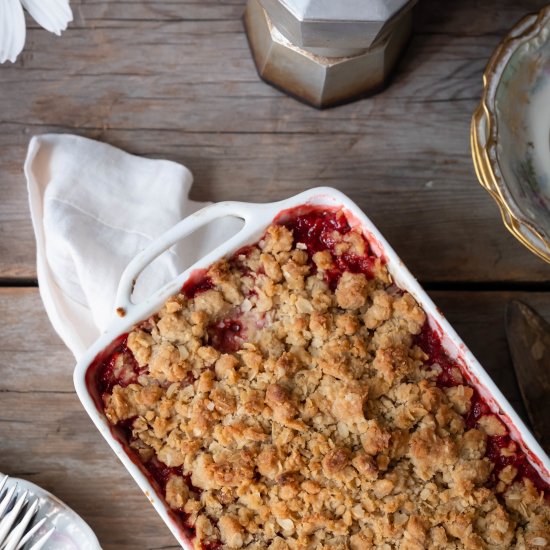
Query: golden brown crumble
x=322, y=428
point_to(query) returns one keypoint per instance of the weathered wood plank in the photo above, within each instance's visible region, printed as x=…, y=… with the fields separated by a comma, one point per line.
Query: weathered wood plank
x=200, y=77
x=472, y=16
x=32, y=357
x=46, y=437
x=427, y=203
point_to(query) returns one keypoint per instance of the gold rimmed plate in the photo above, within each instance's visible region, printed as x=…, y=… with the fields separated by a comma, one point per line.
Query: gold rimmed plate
x=510, y=133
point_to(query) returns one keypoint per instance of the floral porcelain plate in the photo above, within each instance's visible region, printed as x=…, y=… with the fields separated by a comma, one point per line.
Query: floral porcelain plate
x=511, y=131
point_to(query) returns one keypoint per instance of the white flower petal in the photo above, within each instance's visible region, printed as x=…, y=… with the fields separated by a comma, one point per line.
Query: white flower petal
x=12, y=30
x=53, y=15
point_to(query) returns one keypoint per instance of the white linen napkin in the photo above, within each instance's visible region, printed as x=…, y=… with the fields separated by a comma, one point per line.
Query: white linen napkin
x=93, y=208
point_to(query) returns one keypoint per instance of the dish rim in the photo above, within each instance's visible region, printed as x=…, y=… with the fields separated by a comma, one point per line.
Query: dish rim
x=484, y=136
x=70, y=520
x=257, y=218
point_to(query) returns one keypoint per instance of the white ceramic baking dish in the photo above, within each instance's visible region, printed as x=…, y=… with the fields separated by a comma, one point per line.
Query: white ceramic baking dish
x=257, y=218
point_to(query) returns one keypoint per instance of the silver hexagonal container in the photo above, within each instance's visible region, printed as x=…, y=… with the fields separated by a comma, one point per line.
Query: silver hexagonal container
x=326, y=52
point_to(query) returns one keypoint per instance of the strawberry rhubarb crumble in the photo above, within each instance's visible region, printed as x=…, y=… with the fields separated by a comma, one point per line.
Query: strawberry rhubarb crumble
x=293, y=397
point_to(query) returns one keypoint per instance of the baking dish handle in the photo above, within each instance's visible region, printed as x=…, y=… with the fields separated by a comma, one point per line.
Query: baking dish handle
x=248, y=212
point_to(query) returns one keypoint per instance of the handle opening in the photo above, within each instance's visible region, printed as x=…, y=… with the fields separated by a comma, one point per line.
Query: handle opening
x=168, y=264
x=210, y=230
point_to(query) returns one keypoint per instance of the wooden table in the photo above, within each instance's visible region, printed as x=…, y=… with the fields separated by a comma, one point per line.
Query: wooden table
x=175, y=80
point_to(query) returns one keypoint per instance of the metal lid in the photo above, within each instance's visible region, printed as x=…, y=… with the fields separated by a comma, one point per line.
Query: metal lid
x=335, y=24
x=344, y=10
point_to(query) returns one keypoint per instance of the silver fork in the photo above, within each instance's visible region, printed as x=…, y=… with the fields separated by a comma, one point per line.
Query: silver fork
x=16, y=514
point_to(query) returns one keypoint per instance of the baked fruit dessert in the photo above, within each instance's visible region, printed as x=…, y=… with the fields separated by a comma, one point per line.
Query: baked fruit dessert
x=293, y=397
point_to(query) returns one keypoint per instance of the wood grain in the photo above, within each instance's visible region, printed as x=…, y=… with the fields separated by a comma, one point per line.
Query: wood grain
x=46, y=437
x=529, y=343
x=175, y=80
x=441, y=230
x=201, y=78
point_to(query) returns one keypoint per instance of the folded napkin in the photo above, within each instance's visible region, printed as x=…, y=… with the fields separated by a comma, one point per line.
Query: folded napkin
x=93, y=208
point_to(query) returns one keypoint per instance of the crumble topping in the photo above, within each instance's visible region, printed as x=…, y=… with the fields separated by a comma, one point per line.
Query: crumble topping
x=294, y=398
